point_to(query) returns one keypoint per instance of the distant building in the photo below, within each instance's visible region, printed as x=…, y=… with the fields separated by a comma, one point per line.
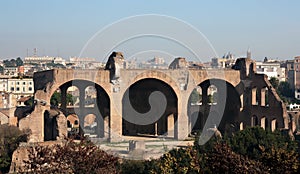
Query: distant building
x=293, y=71
x=271, y=69
x=297, y=77
x=297, y=63
x=18, y=87
x=3, y=84
x=195, y=65
x=44, y=60
x=157, y=61
x=7, y=108
x=225, y=62
x=290, y=72
x=10, y=71
x=130, y=64
x=84, y=63
x=7, y=100
x=154, y=63
x=222, y=62
x=293, y=106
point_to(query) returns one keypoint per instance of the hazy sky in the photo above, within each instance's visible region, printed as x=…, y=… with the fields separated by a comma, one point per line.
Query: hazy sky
x=271, y=28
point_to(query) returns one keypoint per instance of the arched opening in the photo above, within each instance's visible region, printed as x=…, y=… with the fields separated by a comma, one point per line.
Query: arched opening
x=274, y=125
x=93, y=126
x=264, y=97
x=149, y=109
x=220, y=101
x=196, y=96
x=90, y=96
x=73, y=125
x=241, y=126
x=212, y=92
x=254, y=121
x=72, y=96
x=55, y=100
x=255, y=96
x=70, y=100
x=81, y=98
x=264, y=123
x=50, y=126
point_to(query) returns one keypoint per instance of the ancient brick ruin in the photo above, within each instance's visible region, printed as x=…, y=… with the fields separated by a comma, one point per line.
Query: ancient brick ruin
x=249, y=99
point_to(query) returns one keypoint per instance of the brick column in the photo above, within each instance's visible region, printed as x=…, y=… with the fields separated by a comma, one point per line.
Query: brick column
x=63, y=92
x=115, y=129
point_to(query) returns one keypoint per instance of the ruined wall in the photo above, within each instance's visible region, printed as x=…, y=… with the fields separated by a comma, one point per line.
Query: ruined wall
x=35, y=120
x=7, y=116
x=19, y=156
x=262, y=105
x=242, y=77
x=294, y=121
x=22, y=154
x=4, y=119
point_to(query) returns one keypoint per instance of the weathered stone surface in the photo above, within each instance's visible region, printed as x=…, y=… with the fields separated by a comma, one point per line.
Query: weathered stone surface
x=241, y=80
x=4, y=118
x=114, y=64
x=19, y=156
x=7, y=116
x=62, y=126
x=133, y=145
x=179, y=63
x=22, y=154
x=34, y=122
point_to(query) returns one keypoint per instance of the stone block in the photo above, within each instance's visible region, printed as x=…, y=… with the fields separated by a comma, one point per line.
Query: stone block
x=134, y=145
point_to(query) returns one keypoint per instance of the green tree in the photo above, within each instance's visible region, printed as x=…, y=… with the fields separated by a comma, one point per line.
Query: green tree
x=29, y=102
x=280, y=160
x=195, y=96
x=1, y=69
x=139, y=166
x=70, y=157
x=221, y=159
x=70, y=99
x=55, y=65
x=19, y=62
x=13, y=62
x=285, y=89
x=10, y=137
x=179, y=161
x=56, y=99
x=274, y=82
x=215, y=97
x=253, y=141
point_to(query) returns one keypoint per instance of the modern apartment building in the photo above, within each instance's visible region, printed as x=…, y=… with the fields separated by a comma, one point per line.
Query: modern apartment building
x=18, y=87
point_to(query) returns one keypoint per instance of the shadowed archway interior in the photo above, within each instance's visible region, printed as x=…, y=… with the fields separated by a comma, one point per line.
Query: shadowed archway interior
x=139, y=94
x=91, y=105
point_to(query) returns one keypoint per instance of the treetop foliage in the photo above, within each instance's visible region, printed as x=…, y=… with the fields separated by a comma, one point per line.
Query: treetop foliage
x=13, y=62
x=10, y=137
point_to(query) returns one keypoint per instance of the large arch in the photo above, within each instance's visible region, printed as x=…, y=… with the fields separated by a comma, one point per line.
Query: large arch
x=58, y=83
x=137, y=121
x=101, y=107
x=227, y=107
x=159, y=76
